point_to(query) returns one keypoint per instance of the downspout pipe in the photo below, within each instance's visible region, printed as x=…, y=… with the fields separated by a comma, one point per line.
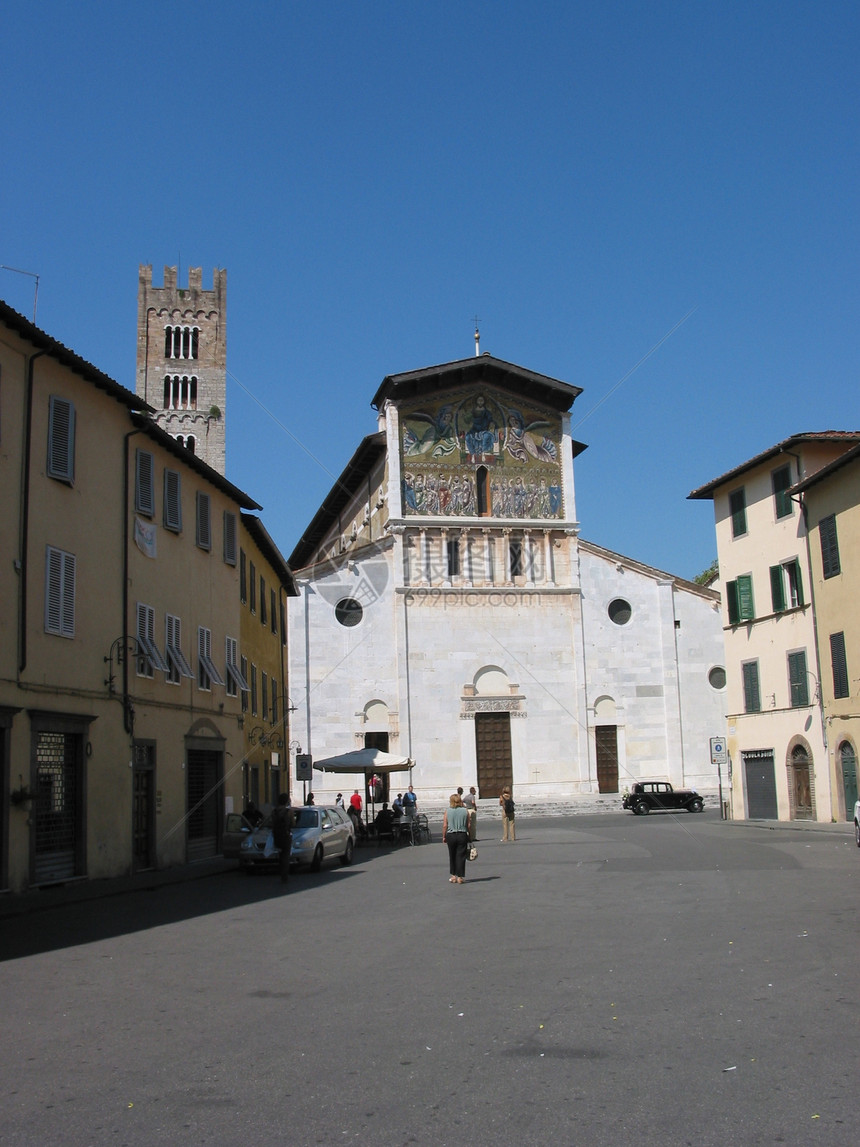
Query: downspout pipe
x=25, y=518
x=285, y=702
x=127, y=710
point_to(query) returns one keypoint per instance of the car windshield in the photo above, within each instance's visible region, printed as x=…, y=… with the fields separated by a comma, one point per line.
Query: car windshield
x=306, y=818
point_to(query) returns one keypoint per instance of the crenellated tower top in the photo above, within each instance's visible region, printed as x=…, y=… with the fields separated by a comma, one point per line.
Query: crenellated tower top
x=182, y=357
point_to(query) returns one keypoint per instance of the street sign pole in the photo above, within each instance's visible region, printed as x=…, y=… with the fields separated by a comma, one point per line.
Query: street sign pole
x=719, y=757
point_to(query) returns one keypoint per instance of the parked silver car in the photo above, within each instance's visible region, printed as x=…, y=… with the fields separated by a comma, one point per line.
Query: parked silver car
x=236, y=830
x=320, y=832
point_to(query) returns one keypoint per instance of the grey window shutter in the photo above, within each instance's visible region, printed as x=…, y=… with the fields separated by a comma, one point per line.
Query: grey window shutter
x=61, y=439
x=204, y=531
x=172, y=501
x=144, y=484
x=229, y=538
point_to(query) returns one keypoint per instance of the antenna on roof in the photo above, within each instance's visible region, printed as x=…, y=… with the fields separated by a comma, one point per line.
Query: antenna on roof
x=32, y=275
x=477, y=337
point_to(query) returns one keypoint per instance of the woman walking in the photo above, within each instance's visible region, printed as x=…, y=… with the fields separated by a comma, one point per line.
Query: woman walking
x=455, y=833
x=509, y=828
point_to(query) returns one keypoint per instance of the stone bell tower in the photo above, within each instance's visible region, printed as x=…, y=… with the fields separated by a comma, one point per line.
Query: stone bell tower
x=182, y=358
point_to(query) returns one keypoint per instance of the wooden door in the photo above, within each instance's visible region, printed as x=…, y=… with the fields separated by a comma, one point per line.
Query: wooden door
x=606, y=743
x=493, y=752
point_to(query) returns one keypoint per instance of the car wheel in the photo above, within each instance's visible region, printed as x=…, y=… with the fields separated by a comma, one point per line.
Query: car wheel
x=857, y=833
x=347, y=853
x=641, y=808
x=317, y=860
x=696, y=805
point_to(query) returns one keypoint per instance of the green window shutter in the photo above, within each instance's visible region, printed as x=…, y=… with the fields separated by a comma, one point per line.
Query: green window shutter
x=840, y=665
x=738, y=511
x=829, y=546
x=797, y=679
x=798, y=582
x=732, y=602
x=777, y=589
x=781, y=482
x=752, y=695
x=746, y=609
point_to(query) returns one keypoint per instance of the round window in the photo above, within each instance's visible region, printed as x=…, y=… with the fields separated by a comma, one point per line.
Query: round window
x=348, y=611
x=717, y=677
x=620, y=611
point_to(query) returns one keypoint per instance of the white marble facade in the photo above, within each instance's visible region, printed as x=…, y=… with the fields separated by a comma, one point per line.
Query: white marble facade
x=418, y=625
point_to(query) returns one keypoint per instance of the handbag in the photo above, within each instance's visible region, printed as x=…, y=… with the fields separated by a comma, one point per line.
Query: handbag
x=472, y=853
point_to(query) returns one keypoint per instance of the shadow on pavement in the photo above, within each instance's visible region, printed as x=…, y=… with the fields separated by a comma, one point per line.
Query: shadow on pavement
x=64, y=917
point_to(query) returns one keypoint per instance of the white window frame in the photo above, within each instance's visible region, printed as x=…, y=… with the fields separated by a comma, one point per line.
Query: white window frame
x=177, y=664
x=206, y=670
x=60, y=570
x=149, y=657
x=236, y=682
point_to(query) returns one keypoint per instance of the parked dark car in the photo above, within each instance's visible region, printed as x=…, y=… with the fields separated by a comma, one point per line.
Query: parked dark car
x=647, y=795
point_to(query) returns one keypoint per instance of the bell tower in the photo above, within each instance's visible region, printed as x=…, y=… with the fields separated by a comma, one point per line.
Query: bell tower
x=182, y=358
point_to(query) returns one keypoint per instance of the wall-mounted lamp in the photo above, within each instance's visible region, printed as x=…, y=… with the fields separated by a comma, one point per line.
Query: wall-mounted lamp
x=259, y=736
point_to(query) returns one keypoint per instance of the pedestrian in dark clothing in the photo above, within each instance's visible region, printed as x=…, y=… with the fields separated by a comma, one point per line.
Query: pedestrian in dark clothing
x=282, y=834
x=252, y=814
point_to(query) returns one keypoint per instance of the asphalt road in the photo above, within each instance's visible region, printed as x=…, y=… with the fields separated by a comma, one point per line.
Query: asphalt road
x=606, y=980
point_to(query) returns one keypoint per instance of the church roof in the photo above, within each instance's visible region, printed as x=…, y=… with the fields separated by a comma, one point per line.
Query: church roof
x=478, y=369
x=359, y=466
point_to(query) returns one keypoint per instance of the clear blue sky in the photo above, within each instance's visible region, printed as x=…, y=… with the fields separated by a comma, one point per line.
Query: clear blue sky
x=373, y=175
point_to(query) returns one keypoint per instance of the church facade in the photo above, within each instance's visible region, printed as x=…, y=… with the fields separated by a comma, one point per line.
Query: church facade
x=449, y=609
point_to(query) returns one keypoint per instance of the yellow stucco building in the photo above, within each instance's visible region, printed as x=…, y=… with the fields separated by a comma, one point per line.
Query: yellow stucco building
x=831, y=503
x=121, y=723
x=265, y=583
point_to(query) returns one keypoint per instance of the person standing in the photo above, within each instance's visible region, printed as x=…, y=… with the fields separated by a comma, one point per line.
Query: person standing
x=470, y=800
x=455, y=833
x=506, y=801
x=410, y=801
x=282, y=834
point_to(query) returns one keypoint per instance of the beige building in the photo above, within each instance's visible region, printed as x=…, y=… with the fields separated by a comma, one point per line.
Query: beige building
x=777, y=740
x=830, y=499
x=265, y=583
x=120, y=734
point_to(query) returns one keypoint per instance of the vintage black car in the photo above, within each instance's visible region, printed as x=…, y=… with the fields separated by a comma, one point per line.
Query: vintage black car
x=647, y=795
